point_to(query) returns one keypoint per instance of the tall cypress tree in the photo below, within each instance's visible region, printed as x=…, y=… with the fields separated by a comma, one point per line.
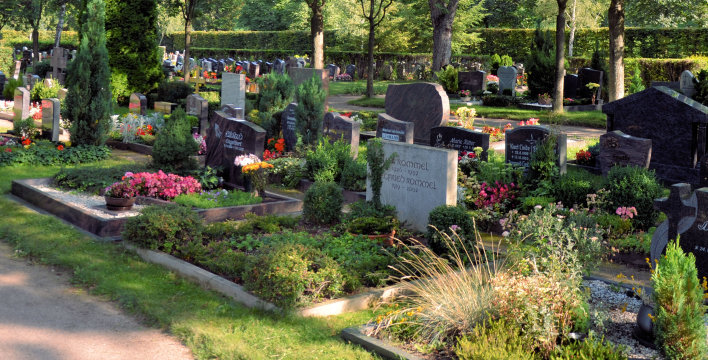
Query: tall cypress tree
x=88, y=101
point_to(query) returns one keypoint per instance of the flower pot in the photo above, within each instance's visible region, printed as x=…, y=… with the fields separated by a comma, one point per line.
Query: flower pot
x=119, y=204
x=544, y=101
x=465, y=98
x=385, y=239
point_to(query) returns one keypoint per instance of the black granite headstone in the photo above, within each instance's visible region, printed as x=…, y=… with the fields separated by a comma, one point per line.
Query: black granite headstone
x=228, y=138
x=521, y=142
x=337, y=127
x=570, y=86
x=426, y=105
x=388, y=128
x=472, y=81
x=287, y=123
x=460, y=139
x=618, y=148
x=351, y=70
x=586, y=76
x=2, y=82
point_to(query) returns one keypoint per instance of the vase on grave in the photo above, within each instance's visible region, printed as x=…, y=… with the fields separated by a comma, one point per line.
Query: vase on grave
x=119, y=204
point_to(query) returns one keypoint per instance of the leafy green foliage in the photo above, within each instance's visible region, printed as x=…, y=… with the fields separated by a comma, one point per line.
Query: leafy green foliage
x=354, y=174
x=590, y=349
x=173, y=91
x=46, y=153
x=634, y=186
x=26, y=128
x=543, y=169
x=327, y=161
x=166, y=228
x=310, y=110
x=572, y=188
x=323, y=203
x=540, y=65
x=132, y=25
x=444, y=220
x=447, y=77
x=8, y=92
x=701, y=87
x=275, y=93
x=680, y=331
x=88, y=101
x=372, y=225
x=496, y=340
x=378, y=164
x=217, y=198
x=635, y=84
x=41, y=91
x=174, y=145
x=290, y=170
x=92, y=179
x=41, y=68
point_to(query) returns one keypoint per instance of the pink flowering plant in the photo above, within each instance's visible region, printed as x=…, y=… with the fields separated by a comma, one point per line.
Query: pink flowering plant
x=202, y=143
x=626, y=212
x=246, y=159
x=157, y=185
x=499, y=197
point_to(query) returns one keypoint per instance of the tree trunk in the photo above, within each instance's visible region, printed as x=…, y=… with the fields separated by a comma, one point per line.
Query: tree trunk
x=573, y=24
x=560, y=57
x=60, y=25
x=35, y=44
x=442, y=18
x=317, y=33
x=615, y=16
x=370, y=61
x=187, y=40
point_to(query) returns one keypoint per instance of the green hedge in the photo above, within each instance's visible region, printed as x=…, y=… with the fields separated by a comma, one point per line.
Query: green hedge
x=652, y=69
x=639, y=42
x=6, y=59
x=17, y=39
x=296, y=41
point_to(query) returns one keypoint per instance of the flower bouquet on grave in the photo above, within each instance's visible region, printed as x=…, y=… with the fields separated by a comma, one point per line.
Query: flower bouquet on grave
x=258, y=173
x=243, y=160
x=465, y=95
x=202, y=143
x=120, y=195
x=593, y=89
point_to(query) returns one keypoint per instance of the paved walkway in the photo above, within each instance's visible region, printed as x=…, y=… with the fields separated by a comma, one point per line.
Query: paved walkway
x=42, y=317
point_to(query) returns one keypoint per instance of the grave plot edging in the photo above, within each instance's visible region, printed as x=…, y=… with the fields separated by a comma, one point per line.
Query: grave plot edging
x=376, y=346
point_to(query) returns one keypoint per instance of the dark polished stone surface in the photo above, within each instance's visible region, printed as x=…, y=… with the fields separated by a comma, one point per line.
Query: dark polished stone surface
x=424, y=104
x=460, y=139
x=337, y=127
x=391, y=129
x=618, y=148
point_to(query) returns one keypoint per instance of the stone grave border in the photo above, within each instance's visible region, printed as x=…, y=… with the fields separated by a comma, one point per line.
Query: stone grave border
x=135, y=147
x=108, y=228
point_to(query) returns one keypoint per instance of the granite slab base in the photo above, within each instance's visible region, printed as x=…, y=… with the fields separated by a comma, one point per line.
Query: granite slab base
x=138, y=148
x=381, y=348
x=26, y=189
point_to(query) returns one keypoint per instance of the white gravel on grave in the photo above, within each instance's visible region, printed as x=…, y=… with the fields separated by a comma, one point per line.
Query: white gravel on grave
x=620, y=321
x=93, y=204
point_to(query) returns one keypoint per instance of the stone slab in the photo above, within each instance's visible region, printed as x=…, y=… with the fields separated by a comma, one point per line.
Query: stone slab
x=460, y=139
x=618, y=148
x=391, y=129
x=337, y=127
x=424, y=104
x=233, y=89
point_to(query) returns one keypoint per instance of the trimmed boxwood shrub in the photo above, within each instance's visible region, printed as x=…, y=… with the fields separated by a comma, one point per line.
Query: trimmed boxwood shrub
x=323, y=203
x=174, y=145
x=634, y=186
x=443, y=218
x=166, y=228
x=572, y=188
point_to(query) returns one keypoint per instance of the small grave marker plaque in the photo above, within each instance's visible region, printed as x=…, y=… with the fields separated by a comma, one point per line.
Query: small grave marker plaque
x=391, y=129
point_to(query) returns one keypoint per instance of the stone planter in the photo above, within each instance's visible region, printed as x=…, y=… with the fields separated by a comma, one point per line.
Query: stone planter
x=385, y=239
x=119, y=204
x=465, y=98
x=544, y=101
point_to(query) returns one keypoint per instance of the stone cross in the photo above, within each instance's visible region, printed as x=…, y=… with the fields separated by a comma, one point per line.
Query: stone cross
x=676, y=206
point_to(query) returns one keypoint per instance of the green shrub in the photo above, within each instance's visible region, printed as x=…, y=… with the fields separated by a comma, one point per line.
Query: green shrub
x=166, y=228
x=323, y=203
x=92, y=179
x=530, y=202
x=45, y=153
x=590, y=349
x=701, y=87
x=444, y=217
x=378, y=164
x=310, y=110
x=291, y=170
x=41, y=91
x=217, y=198
x=41, y=68
x=292, y=274
x=354, y=174
x=173, y=91
x=372, y=225
x=540, y=65
x=543, y=170
x=636, y=84
x=634, y=186
x=8, y=92
x=447, y=77
x=275, y=93
x=497, y=340
x=174, y=145
x=326, y=161
x=572, y=188
x=25, y=128
x=363, y=208
x=506, y=61
x=88, y=100
x=495, y=62
x=615, y=227
x=222, y=260
x=680, y=330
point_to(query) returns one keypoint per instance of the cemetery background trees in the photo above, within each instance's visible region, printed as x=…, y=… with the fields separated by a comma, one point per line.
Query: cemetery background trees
x=7, y=11
x=88, y=101
x=560, y=57
x=374, y=15
x=442, y=14
x=131, y=40
x=30, y=13
x=188, y=9
x=317, y=32
x=615, y=16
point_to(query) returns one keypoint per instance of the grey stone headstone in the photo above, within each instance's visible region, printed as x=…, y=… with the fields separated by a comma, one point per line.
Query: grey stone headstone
x=62, y=94
x=337, y=127
x=137, y=104
x=675, y=124
x=570, y=86
x=206, y=66
x=688, y=88
x=618, y=148
x=279, y=66
x=287, y=123
x=50, y=118
x=199, y=107
x=18, y=69
x=233, y=89
x=586, y=76
x=299, y=76
x=460, y=139
x=255, y=70
x=234, y=112
x=420, y=179
x=228, y=138
x=507, y=78
x=22, y=102
x=521, y=142
x=474, y=81
x=165, y=107
x=426, y=105
x=32, y=80
x=391, y=129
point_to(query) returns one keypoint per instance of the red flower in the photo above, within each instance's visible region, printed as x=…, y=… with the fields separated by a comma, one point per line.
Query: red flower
x=26, y=141
x=60, y=147
x=8, y=150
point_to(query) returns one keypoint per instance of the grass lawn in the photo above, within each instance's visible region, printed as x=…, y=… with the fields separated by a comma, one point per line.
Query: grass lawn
x=594, y=119
x=209, y=324
x=358, y=87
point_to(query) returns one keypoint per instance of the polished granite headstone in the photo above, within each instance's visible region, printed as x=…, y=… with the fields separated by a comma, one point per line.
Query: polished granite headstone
x=618, y=148
x=426, y=105
x=388, y=128
x=460, y=139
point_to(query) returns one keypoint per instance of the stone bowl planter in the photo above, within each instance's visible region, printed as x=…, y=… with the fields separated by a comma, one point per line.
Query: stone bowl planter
x=119, y=204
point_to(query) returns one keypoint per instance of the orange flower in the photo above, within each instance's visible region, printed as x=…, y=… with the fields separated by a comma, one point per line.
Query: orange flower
x=280, y=147
x=60, y=147
x=26, y=141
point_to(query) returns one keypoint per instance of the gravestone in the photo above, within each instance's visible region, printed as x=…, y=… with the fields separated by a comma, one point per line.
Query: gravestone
x=570, y=86
x=333, y=70
x=507, y=79
x=459, y=139
x=138, y=104
x=472, y=81
x=287, y=123
x=351, y=70
x=2, y=82
x=420, y=179
x=618, y=148
x=521, y=142
x=687, y=86
x=391, y=129
x=234, y=112
x=687, y=216
x=199, y=107
x=22, y=103
x=59, y=60
x=300, y=75
x=673, y=85
x=50, y=119
x=18, y=69
x=31, y=80
x=586, y=76
x=62, y=94
x=165, y=107
x=267, y=67
x=386, y=72
x=279, y=66
x=254, y=70
x=675, y=124
x=337, y=127
x=228, y=138
x=426, y=105
x=233, y=89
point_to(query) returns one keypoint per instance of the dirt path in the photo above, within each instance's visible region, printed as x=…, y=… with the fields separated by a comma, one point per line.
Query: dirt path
x=43, y=317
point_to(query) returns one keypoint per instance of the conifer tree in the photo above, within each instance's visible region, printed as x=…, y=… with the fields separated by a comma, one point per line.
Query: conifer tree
x=310, y=110
x=88, y=101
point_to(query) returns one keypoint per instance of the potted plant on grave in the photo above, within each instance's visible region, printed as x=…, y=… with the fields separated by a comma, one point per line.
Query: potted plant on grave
x=120, y=195
x=465, y=95
x=593, y=89
x=258, y=173
x=544, y=99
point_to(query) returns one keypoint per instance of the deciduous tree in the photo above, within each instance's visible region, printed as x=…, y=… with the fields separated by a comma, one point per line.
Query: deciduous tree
x=317, y=32
x=442, y=14
x=560, y=56
x=615, y=16
x=374, y=12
